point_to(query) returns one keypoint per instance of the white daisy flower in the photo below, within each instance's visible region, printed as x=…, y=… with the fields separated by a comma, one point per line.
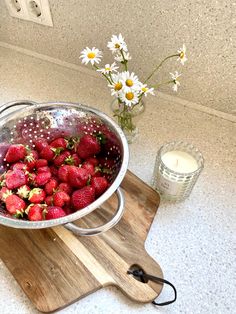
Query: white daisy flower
x=176, y=82
x=117, y=84
x=182, y=55
x=119, y=56
x=146, y=90
x=130, y=81
x=129, y=98
x=108, y=68
x=117, y=43
x=91, y=55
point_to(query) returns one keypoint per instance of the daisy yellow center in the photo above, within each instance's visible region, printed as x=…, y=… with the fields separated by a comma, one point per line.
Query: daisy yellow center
x=117, y=45
x=129, y=95
x=181, y=55
x=108, y=69
x=144, y=89
x=129, y=82
x=91, y=55
x=118, y=86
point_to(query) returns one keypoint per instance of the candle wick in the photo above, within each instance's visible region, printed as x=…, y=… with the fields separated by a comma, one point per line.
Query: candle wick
x=177, y=162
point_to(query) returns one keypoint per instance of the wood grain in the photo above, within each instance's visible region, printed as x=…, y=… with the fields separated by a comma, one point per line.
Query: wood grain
x=55, y=268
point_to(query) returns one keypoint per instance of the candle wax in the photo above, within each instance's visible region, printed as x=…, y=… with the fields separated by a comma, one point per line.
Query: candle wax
x=179, y=161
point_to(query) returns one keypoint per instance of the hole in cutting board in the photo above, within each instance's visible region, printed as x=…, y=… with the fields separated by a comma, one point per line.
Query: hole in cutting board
x=137, y=267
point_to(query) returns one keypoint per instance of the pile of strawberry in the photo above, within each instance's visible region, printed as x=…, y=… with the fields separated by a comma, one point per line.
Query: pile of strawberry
x=54, y=178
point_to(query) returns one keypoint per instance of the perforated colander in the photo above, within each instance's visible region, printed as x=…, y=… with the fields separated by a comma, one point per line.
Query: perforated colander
x=29, y=121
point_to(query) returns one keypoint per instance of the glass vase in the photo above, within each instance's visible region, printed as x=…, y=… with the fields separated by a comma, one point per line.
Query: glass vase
x=126, y=117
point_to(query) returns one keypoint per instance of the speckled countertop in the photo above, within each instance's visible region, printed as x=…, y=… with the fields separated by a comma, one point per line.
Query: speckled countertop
x=193, y=241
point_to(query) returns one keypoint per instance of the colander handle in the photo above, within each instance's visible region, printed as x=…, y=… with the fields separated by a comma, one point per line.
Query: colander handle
x=95, y=231
x=15, y=104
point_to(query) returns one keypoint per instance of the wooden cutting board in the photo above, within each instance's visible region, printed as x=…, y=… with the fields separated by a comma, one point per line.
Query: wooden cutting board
x=56, y=268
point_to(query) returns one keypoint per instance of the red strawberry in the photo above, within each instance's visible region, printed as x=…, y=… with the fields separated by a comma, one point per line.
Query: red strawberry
x=43, y=169
x=61, y=198
x=77, y=177
x=4, y=193
x=49, y=200
x=30, y=159
x=37, y=195
x=93, y=161
x=42, y=178
x=31, y=178
x=15, y=179
x=15, y=205
x=68, y=210
x=15, y=153
x=100, y=185
x=59, y=160
x=65, y=187
x=54, y=171
x=89, y=168
x=63, y=173
x=51, y=186
x=83, y=197
x=73, y=160
x=41, y=163
x=23, y=191
x=20, y=166
x=54, y=212
x=59, y=142
x=47, y=153
x=88, y=146
x=40, y=143
x=36, y=212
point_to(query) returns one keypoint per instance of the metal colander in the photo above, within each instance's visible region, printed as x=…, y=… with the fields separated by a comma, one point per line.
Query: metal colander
x=30, y=121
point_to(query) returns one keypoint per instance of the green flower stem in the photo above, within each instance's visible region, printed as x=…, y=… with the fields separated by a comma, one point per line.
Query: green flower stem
x=107, y=78
x=124, y=117
x=163, y=83
x=125, y=61
x=158, y=67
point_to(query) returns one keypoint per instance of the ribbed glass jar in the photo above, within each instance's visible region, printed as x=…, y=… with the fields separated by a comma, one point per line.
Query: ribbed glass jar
x=173, y=180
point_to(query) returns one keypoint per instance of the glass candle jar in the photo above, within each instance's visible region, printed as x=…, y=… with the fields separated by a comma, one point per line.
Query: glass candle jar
x=178, y=165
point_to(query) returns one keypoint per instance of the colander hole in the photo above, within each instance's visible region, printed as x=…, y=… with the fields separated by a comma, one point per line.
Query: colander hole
x=30, y=130
x=31, y=123
x=30, y=141
x=86, y=122
x=35, y=131
x=41, y=135
x=47, y=127
x=41, y=131
x=48, y=138
x=25, y=124
x=31, y=118
x=26, y=131
x=35, y=136
x=4, y=159
x=19, y=121
x=43, y=122
x=14, y=126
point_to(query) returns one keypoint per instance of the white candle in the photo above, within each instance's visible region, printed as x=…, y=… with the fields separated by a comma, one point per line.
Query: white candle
x=179, y=161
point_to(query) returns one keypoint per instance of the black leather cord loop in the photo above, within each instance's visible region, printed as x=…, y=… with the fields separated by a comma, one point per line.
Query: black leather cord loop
x=145, y=278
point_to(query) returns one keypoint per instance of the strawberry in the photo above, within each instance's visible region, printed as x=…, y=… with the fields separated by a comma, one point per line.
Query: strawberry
x=42, y=178
x=51, y=186
x=49, y=200
x=41, y=163
x=77, y=177
x=31, y=178
x=68, y=210
x=30, y=159
x=15, y=179
x=40, y=143
x=23, y=191
x=43, y=169
x=54, y=170
x=83, y=197
x=65, y=187
x=37, y=195
x=59, y=142
x=47, y=153
x=15, y=205
x=92, y=160
x=89, y=168
x=73, y=160
x=36, y=212
x=4, y=193
x=61, y=198
x=19, y=166
x=59, y=160
x=15, y=153
x=88, y=146
x=100, y=185
x=54, y=212
x=63, y=173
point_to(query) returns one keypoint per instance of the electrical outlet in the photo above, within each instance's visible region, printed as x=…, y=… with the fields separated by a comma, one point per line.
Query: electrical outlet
x=37, y=11
x=17, y=8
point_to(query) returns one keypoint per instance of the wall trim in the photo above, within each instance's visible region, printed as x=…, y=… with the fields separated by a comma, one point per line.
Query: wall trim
x=82, y=69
